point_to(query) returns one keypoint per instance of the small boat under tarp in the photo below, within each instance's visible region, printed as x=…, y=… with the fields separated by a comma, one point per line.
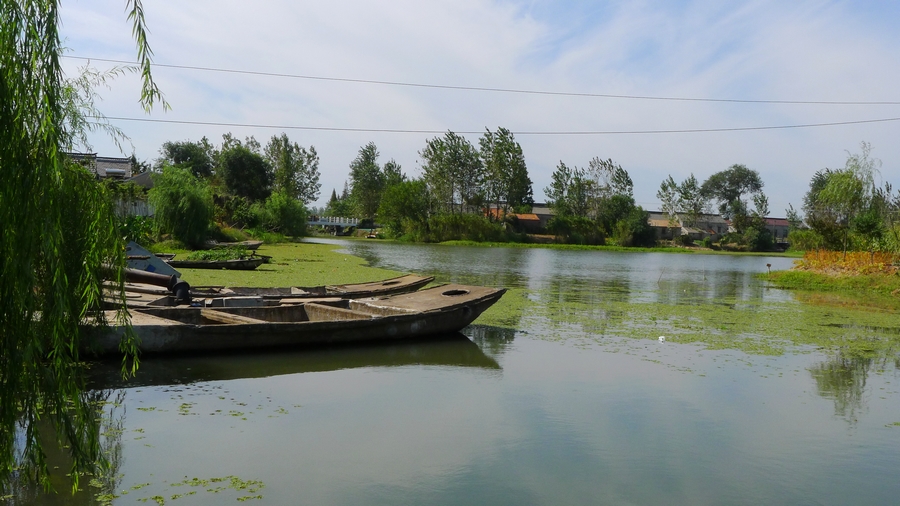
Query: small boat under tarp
x=430, y=312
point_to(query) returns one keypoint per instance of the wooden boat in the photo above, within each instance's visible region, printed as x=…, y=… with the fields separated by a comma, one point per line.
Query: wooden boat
x=239, y=264
x=400, y=284
x=140, y=294
x=434, y=311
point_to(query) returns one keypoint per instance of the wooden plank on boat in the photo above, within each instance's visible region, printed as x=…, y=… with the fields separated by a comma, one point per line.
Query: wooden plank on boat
x=228, y=318
x=321, y=312
x=328, y=301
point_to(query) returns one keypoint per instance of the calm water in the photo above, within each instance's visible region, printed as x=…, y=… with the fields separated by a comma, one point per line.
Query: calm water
x=572, y=400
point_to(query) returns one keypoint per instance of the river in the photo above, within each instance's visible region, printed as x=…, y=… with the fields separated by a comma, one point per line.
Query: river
x=607, y=378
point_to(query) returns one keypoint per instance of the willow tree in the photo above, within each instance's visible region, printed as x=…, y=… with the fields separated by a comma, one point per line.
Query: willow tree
x=57, y=232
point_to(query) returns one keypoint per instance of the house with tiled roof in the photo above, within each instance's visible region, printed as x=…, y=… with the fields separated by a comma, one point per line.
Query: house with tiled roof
x=779, y=228
x=105, y=167
x=705, y=225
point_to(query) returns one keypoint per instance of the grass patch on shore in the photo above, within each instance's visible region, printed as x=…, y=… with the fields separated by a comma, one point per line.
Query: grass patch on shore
x=877, y=291
x=294, y=264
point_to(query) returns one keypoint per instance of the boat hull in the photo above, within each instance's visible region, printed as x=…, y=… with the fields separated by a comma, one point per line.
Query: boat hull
x=431, y=312
x=244, y=264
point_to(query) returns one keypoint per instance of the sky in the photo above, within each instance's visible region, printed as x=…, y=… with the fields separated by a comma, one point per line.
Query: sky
x=617, y=72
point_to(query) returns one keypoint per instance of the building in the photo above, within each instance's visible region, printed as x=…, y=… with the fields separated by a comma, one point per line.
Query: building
x=105, y=167
x=779, y=228
x=712, y=226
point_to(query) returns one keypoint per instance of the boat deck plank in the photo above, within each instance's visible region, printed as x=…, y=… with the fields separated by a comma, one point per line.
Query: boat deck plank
x=227, y=318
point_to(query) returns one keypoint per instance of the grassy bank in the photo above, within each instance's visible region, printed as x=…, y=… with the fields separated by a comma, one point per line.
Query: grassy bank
x=293, y=264
x=887, y=285
x=848, y=279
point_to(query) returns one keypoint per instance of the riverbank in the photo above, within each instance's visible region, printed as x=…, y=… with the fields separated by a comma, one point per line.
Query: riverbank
x=856, y=278
x=659, y=249
x=874, y=290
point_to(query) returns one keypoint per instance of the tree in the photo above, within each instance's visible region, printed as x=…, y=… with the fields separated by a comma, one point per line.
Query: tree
x=196, y=156
x=568, y=192
x=453, y=172
x=404, y=205
x=729, y=186
x=506, y=181
x=245, y=172
x=183, y=204
x=58, y=240
x=295, y=169
x=683, y=202
x=821, y=217
x=668, y=196
x=393, y=175
x=366, y=181
x=845, y=202
x=609, y=178
x=339, y=205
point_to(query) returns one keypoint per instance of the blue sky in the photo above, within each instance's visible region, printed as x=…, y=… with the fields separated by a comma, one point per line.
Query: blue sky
x=750, y=50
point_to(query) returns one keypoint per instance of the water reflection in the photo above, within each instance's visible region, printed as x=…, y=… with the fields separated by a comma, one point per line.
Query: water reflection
x=495, y=341
x=93, y=490
x=454, y=350
x=842, y=378
x=617, y=276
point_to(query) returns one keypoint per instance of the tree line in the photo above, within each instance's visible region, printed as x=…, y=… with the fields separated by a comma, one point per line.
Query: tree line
x=469, y=191
x=240, y=184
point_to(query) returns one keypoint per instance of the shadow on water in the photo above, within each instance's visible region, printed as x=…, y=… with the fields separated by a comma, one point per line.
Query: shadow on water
x=452, y=350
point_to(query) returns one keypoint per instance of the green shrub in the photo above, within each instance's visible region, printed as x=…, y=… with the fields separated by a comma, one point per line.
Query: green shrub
x=572, y=230
x=281, y=213
x=464, y=227
x=684, y=240
x=138, y=229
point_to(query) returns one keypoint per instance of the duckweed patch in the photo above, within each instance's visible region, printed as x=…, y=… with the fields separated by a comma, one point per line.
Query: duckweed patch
x=508, y=311
x=753, y=327
x=247, y=489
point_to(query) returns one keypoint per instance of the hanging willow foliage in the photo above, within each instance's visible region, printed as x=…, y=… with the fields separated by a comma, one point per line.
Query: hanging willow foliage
x=57, y=231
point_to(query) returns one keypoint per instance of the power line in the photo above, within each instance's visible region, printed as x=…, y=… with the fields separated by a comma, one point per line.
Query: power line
x=438, y=132
x=493, y=90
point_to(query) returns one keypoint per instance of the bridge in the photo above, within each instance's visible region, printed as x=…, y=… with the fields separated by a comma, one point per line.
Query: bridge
x=333, y=221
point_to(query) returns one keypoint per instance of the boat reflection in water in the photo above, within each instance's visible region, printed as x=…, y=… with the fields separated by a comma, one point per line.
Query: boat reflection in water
x=452, y=350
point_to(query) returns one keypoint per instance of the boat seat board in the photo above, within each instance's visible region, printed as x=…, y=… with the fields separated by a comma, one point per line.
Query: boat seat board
x=227, y=318
x=321, y=312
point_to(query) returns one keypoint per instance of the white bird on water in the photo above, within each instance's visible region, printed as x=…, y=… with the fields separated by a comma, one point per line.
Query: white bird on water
x=662, y=339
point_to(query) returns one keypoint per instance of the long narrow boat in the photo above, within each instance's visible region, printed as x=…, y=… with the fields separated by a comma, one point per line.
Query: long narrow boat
x=434, y=311
x=250, y=245
x=140, y=294
x=239, y=264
